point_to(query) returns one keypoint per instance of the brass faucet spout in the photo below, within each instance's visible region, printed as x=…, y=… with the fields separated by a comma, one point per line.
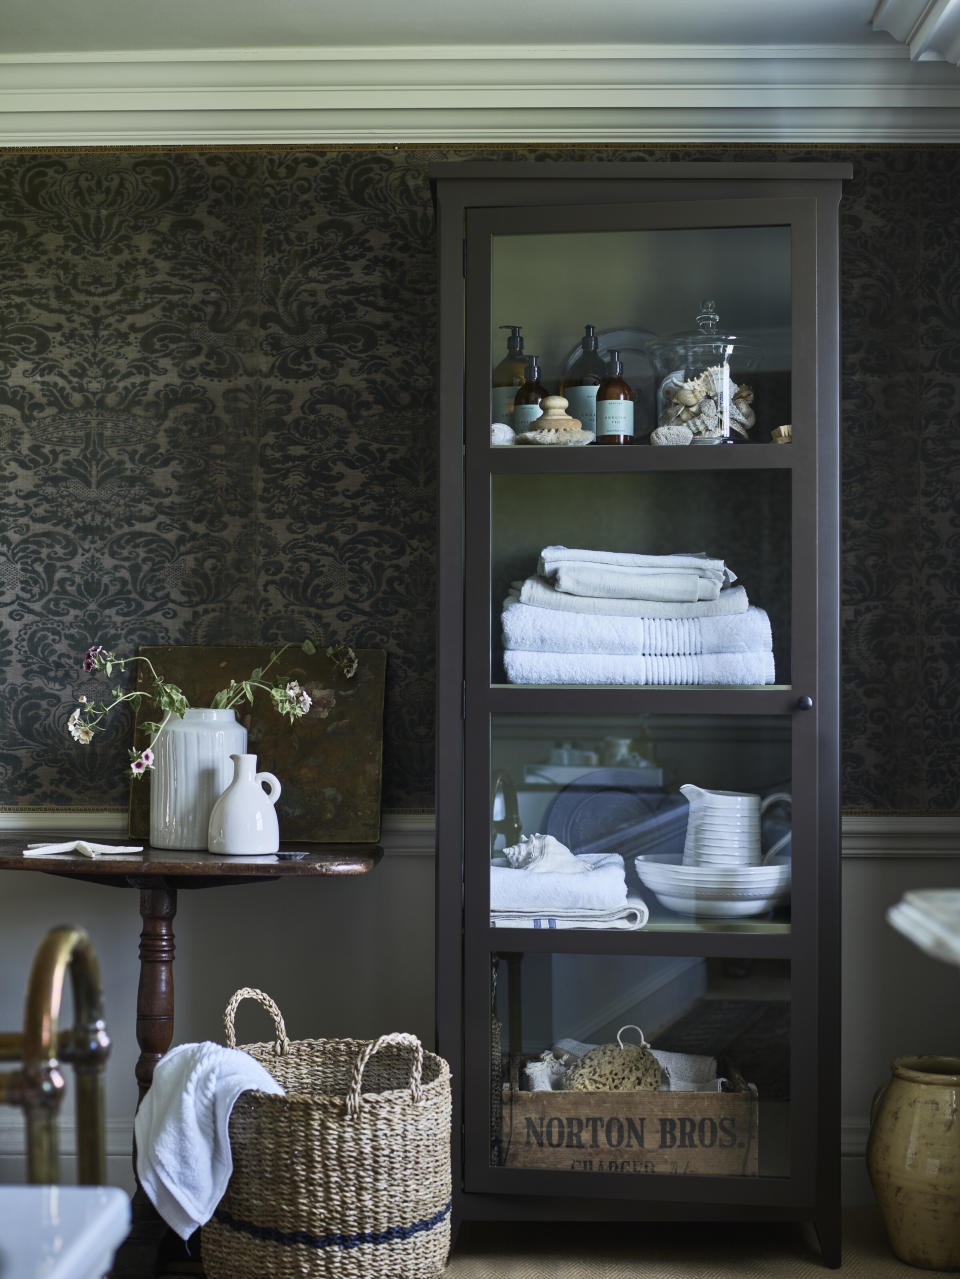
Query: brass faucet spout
x=37, y=1087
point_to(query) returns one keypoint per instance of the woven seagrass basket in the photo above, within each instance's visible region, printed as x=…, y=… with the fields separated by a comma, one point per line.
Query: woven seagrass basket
x=345, y=1177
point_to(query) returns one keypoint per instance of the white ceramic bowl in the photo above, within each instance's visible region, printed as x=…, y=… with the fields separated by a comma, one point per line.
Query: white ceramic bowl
x=717, y=891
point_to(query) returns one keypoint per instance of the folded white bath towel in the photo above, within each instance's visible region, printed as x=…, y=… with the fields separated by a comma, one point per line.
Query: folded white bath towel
x=548, y=630
x=622, y=575
x=540, y=593
x=631, y=916
x=536, y=893
x=183, y=1144
x=525, y=667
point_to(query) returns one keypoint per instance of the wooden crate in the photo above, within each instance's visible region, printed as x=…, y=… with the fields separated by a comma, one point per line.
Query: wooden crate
x=680, y=1133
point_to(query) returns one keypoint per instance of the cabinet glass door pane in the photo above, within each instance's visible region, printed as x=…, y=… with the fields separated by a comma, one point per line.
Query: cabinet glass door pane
x=654, y=822
x=640, y=1065
x=639, y=289
x=545, y=631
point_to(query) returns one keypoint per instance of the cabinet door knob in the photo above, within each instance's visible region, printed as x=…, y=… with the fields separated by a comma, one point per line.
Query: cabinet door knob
x=804, y=703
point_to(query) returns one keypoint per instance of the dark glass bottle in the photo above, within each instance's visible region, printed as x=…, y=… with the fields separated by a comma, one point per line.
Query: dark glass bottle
x=614, y=406
x=582, y=382
x=527, y=409
x=508, y=377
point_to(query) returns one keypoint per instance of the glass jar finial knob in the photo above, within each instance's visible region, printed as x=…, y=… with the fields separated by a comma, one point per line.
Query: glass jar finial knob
x=707, y=317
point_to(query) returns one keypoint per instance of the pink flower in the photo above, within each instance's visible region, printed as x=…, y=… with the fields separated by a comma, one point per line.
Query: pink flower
x=147, y=757
x=137, y=766
x=91, y=659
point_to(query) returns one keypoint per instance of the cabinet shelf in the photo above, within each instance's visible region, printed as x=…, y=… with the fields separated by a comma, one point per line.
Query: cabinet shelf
x=719, y=938
x=532, y=459
x=770, y=699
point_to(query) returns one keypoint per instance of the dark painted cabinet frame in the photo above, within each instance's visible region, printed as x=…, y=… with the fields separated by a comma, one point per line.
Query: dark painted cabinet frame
x=474, y=202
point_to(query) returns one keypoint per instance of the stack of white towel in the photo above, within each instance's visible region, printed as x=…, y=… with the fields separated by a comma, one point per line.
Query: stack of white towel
x=610, y=617
x=554, y=899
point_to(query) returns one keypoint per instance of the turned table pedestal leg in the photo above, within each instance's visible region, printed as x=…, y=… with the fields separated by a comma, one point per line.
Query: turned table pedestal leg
x=137, y=1256
x=158, y=906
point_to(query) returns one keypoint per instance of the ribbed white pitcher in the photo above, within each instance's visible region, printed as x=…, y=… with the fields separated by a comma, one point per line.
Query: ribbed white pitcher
x=192, y=768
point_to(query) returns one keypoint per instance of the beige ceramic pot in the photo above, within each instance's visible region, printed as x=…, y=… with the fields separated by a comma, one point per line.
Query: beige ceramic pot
x=913, y=1157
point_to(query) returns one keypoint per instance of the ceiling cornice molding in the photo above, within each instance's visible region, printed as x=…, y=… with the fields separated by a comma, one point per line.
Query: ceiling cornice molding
x=929, y=28
x=833, y=94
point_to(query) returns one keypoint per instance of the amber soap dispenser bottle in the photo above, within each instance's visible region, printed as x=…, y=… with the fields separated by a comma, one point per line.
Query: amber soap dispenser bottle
x=614, y=406
x=508, y=377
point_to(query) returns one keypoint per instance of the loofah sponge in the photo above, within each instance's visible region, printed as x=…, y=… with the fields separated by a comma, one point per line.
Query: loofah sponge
x=610, y=1068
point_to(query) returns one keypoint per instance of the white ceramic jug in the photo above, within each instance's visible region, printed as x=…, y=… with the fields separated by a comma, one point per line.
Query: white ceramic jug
x=243, y=822
x=724, y=827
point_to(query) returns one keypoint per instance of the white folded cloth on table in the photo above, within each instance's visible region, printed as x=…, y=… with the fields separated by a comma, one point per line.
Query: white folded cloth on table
x=548, y=630
x=525, y=667
x=540, y=593
x=622, y=575
x=85, y=847
x=634, y=914
x=547, y=892
x=182, y=1129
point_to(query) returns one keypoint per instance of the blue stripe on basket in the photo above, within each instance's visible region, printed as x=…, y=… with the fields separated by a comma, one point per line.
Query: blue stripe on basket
x=289, y=1238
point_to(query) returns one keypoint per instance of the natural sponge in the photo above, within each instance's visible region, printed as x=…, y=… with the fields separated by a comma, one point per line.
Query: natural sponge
x=610, y=1068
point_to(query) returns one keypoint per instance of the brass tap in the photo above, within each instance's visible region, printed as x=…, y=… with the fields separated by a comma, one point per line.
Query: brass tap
x=37, y=1087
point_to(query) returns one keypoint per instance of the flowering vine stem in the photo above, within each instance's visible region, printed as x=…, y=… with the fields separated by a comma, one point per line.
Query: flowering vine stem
x=286, y=695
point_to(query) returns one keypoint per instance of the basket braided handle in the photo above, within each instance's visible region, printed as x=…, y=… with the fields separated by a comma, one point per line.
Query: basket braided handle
x=416, y=1069
x=282, y=1044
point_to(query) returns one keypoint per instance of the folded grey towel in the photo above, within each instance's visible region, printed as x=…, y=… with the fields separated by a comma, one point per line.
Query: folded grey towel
x=625, y=575
x=542, y=594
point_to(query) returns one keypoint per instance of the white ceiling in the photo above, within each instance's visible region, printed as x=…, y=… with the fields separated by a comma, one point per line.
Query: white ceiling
x=97, y=26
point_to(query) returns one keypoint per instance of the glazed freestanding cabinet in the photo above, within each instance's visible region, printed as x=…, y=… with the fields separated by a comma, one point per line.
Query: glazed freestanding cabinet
x=637, y=800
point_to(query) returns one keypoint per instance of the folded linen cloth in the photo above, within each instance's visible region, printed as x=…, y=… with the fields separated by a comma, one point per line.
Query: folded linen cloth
x=697, y=561
x=540, y=593
x=85, y=847
x=525, y=667
x=535, y=893
x=621, y=575
x=548, y=630
x=182, y=1138
x=609, y=580
x=631, y=916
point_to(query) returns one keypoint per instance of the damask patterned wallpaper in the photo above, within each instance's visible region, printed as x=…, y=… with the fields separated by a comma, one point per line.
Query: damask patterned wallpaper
x=218, y=418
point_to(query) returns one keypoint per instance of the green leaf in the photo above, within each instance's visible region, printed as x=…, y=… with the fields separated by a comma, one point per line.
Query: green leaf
x=308, y=647
x=257, y=673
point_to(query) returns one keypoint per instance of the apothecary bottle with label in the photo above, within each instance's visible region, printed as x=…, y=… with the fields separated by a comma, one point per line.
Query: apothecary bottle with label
x=527, y=408
x=508, y=377
x=581, y=384
x=614, y=406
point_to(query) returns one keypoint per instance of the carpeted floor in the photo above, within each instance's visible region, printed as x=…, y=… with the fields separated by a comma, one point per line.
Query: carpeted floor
x=659, y=1251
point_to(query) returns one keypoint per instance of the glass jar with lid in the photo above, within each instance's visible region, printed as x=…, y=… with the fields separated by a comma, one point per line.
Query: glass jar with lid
x=699, y=399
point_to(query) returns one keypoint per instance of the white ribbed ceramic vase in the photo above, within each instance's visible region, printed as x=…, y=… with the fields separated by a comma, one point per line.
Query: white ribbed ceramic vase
x=192, y=768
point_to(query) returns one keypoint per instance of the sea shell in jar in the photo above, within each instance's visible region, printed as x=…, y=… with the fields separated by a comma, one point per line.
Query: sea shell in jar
x=697, y=403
